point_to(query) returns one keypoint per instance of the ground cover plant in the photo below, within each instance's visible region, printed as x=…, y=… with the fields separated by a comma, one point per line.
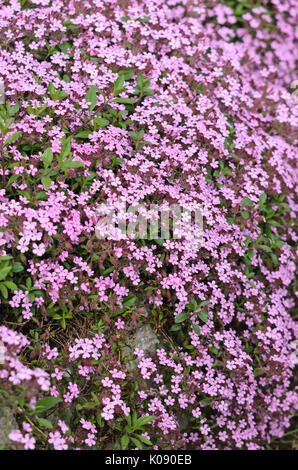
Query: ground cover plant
x=156, y=101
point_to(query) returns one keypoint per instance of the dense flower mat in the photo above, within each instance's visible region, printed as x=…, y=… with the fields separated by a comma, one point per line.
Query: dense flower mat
x=154, y=101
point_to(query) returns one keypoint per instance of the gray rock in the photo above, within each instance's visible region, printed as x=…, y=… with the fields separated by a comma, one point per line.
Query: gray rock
x=7, y=424
x=67, y=373
x=145, y=339
x=183, y=420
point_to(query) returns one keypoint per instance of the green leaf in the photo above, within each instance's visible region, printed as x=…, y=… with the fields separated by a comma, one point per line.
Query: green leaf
x=71, y=164
x=118, y=85
x=204, y=303
x=263, y=199
x=61, y=95
x=17, y=267
x=11, y=285
x=88, y=404
x=128, y=419
x=175, y=327
x=46, y=403
x=13, y=138
x=227, y=171
x=99, y=419
x=196, y=329
x=101, y=122
x=141, y=134
x=274, y=223
x=51, y=89
x=140, y=80
x=182, y=317
x=42, y=195
x=66, y=147
x=214, y=350
x=202, y=314
x=91, y=97
x=65, y=46
x=127, y=74
x=12, y=179
x=26, y=195
x=46, y=181
x=124, y=441
x=245, y=215
x=13, y=109
x=4, y=271
x=145, y=420
x=246, y=202
x=285, y=207
x=133, y=135
x=47, y=157
x=108, y=271
x=124, y=101
x=44, y=423
x=145, y=19
x=75, y=164
x=5, y=258
x=145, y=440
x=130, y=301
x=83, y=134
x=4, y=291
x=265, y=248
x=136, y=442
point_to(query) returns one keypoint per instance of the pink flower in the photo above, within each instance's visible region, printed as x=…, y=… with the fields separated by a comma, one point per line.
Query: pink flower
x=57, y=441
x=119, y=324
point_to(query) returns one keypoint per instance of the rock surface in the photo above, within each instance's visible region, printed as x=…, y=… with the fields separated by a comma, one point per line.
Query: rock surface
x=7, y=424
x=145, y=339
